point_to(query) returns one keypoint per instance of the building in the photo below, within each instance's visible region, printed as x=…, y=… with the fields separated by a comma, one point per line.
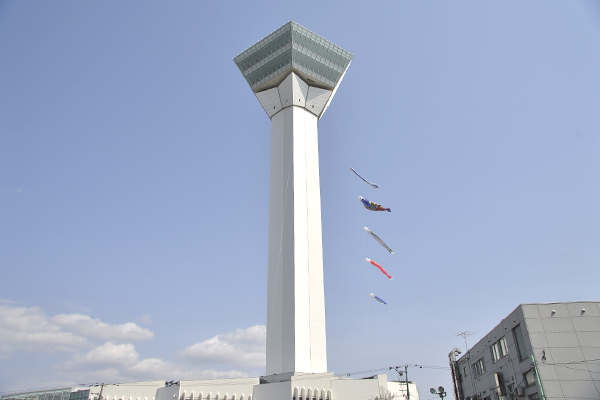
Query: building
x=294, y=74
x=539, y=351
x=297, y=387
x=68, y=393
x=145, y=390
x=49, y=394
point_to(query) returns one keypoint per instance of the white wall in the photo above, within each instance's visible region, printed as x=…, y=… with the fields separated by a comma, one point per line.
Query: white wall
x=277, y=390
x=230, y=389
x=293, y=91
x=296, y=338
x=168, y=393
x=399, y=390
x=357, y=389
x=145, y=390
x=321, y=385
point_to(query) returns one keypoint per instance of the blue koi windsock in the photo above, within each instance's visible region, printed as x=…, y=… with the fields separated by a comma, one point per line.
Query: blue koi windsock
x=371, y=205
x=379, y=299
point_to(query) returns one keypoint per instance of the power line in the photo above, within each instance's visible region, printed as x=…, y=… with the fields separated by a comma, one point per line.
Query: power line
x=394, y=367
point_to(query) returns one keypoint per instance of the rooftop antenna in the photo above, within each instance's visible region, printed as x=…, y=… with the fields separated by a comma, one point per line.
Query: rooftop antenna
x=464, y=335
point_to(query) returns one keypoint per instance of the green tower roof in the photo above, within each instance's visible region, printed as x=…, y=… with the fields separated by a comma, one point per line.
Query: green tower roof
x=293, y=48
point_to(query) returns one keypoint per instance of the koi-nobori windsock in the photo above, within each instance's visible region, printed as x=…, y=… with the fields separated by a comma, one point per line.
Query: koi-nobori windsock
x=381, y=242
x=380, y=267
x=374, y=185
x=371, y=205
x=379, y=299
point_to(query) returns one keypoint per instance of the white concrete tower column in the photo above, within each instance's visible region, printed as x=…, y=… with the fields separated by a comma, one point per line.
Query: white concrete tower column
x=294, y=74
x=295, y=295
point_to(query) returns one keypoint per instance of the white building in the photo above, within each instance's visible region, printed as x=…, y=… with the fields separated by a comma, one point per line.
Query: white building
x=539, y=351
x=144, y=390
x=294, y=74
x=297, y=387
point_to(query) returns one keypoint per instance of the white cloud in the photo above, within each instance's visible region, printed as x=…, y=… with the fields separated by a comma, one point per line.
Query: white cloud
x=108, y=355
x=155, y=368
x=120, y=362
x=86, y=326
x=243, y=348
x=30, y=329
x=146, y=319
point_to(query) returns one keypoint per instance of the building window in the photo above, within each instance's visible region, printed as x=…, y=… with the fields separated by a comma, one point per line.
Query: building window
x=495, y=350
x=520, y=342
x=478, y=368
x=533, y=397
x=503, y=346
x=499, y=349
x=529, y=378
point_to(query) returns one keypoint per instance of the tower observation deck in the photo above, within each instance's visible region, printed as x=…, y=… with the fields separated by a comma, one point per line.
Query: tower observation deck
x=295, y=73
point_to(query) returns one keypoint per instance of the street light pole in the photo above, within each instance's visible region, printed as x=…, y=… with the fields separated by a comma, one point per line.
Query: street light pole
x=440, y=392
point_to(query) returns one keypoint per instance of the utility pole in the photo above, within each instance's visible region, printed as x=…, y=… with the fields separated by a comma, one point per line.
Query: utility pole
x=406, y=378
x=100, y=394
x=405, y=373
x=102, y=387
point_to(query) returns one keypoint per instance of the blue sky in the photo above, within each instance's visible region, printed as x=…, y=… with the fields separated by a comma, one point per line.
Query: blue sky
x=134, y=179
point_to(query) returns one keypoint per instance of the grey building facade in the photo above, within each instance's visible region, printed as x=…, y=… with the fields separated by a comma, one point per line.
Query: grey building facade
x=539, y=351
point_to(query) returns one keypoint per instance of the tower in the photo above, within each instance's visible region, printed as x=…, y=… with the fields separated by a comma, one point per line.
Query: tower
x=294, y=73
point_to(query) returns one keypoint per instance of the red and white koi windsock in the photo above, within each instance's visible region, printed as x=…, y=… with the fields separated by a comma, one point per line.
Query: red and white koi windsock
x=380, y=267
